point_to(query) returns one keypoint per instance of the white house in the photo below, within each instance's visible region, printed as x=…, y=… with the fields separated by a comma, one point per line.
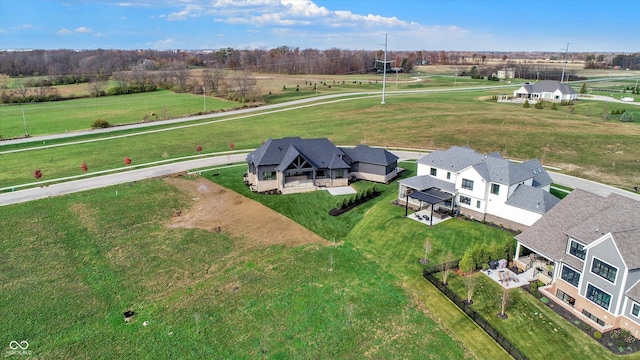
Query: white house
x=547, y=90
x=486, y=187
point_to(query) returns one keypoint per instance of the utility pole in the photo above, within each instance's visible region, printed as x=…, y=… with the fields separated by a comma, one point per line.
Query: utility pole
x=24, y=119
x=565, y=62
x=204, y=98
x=384, y=67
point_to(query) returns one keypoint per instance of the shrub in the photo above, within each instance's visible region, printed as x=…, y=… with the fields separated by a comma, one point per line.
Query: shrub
x=526, y=104
x=554, y=106
x=100, y=124
x=597, y=335
x=467, y=264
x=539, y=105
x=544, y=300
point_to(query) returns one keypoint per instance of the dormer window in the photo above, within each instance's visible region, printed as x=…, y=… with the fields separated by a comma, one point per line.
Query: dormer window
x=576, y=249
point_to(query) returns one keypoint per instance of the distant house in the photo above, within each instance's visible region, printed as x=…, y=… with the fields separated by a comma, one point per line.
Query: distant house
x=506, y=73
x=486, y=187
x=547, y=90
x=294, y=164
x=588, y=249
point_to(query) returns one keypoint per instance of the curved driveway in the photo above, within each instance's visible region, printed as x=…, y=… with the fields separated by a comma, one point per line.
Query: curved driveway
x=68, y=187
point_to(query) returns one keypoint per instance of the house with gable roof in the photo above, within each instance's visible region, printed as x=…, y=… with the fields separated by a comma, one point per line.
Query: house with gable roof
x=294, y=164
x=485, y=187
x=588, y=249
x=547, y=90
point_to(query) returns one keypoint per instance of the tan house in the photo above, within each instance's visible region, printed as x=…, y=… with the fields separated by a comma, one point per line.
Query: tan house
x=588, y=249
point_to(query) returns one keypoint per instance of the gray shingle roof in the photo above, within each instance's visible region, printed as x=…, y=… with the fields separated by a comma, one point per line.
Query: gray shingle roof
x=547, y=235
x=628, y=242
x=425, y=182
x=548, y=86
x=453, y=159
x=533, y=199
x=540, y=176
x=370, y=155
x=492, y=167
x=579, y=215
x=319, y=152
x=634, y=292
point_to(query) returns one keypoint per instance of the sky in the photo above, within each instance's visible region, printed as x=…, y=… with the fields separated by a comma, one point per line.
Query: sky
x=432, y=25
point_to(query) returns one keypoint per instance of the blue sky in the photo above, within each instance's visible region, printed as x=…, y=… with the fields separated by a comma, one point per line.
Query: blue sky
x=472, y=25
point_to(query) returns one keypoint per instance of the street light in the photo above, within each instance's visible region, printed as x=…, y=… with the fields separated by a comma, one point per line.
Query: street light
x=24, y=119
x=204, y=98
x=384, y=67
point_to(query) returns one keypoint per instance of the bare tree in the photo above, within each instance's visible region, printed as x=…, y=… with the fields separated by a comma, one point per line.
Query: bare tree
x=211, y=80
x=427, y=248
x=470, y=283
x=96, y=87
x=21, y=90
x=446, y=267
x=504, y=304
x=243, y=84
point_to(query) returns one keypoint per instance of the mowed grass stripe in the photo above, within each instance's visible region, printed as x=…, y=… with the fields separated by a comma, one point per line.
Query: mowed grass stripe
x=203, y=294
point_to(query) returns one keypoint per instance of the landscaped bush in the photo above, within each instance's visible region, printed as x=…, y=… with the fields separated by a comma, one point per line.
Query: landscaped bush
x=597, y=334
x=100, y=124
x=526, y=104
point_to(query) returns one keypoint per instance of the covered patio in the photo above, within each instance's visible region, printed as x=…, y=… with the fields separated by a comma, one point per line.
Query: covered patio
x=431, y=214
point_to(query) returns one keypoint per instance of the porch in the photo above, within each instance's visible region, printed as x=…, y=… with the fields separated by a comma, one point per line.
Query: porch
x=424, y=216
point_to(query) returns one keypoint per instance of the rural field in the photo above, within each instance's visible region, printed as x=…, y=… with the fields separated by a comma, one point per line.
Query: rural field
x=213, y=270
x=575, y=139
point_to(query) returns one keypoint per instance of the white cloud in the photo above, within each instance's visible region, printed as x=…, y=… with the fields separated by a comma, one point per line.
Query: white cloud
x=83, y=29
x=169, y=43
x=63, y=32
x=187, y=12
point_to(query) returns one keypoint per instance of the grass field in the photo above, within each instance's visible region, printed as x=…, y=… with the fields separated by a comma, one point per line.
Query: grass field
x=395, y=243
x=73, y=264
x=79, y=114
x=580, y=143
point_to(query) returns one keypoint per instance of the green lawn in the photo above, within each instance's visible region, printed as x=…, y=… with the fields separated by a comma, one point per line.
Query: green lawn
x=71, y=265
x=530, y=323
x=78, y=114
x=584, y=146
x=396, y=244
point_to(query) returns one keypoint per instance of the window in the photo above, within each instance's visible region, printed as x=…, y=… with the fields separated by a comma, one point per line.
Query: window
x=467, y=184
x=598, y=296
x=635, y=309
x=593, y=317
x=268, y=175
x=465, y=200
x=339, y=174
x=577, y=250
x=495, y=189
x=478, y=204
x=321, y=174
x=604, y=270
x=566, y=298
x=434, y=172
x=569, y=275
x=448, y=175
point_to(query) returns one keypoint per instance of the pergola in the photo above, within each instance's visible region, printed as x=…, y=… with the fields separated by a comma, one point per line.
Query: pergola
x=431, y=196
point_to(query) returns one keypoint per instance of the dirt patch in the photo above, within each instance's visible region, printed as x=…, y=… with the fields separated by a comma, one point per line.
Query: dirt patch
x=216, y=208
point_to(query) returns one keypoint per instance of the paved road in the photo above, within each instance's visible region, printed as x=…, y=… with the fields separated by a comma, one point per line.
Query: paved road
x=290, y=105
x=68, y=187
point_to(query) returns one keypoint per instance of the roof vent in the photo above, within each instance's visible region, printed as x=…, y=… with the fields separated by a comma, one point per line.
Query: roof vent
x=534, y=172
x=539, y=170
x=596, y=229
